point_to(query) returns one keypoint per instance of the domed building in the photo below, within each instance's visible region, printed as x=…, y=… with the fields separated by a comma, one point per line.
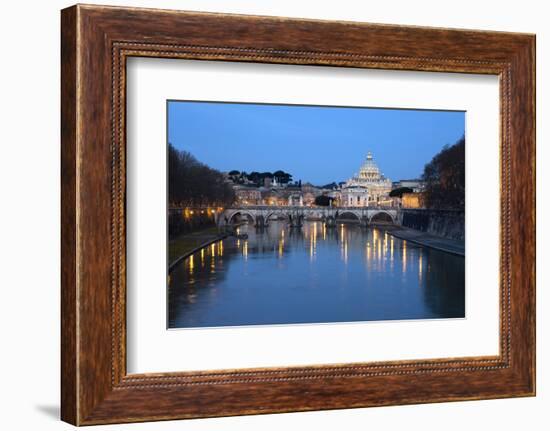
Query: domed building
x=367, y=188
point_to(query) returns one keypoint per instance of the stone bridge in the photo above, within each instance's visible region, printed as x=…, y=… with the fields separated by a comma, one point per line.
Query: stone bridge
x=260, y=215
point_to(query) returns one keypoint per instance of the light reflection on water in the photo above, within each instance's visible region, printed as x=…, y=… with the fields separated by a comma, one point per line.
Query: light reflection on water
x=315, y=274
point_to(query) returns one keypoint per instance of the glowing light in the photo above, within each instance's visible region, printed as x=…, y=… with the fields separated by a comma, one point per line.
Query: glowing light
x=344, y=251
x=202, y=256
x=213, y=247
x=313, y=243
x=420, y=267
x=220, y=248
x=191, y=264
x=245, y=250
x=404, y=256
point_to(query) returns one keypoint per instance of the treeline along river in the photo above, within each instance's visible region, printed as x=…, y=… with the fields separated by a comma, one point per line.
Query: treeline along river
x=282, y=275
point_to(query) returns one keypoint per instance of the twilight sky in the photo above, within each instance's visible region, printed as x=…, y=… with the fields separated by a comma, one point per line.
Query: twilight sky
x=314, y=144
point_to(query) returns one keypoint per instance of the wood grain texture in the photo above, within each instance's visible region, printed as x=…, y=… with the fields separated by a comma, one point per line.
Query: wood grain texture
x=96, y=41
x=69, y=397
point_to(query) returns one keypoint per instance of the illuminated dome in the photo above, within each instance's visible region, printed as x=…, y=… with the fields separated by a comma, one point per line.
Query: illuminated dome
x=368, y=187
x=369, y=176
x=369, y=170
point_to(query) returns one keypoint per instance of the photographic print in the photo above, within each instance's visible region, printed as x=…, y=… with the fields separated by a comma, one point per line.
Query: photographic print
x=302, y=214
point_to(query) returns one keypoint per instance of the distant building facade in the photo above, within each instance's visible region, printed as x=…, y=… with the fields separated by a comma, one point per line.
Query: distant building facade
x=411, y=200
x=245, y=195
x=354, y=196
x=367, y=188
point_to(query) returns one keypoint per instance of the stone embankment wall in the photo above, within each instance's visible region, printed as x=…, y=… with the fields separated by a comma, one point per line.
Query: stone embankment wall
x=444, y=223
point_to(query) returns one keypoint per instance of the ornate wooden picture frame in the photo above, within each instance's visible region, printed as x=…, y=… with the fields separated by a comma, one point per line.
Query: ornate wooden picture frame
x=96, y=41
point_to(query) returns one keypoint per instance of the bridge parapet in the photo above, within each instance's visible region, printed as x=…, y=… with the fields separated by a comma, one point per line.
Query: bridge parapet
x=261, y=214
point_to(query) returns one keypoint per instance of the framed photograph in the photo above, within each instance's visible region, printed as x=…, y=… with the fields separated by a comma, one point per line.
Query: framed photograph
x=264, y=214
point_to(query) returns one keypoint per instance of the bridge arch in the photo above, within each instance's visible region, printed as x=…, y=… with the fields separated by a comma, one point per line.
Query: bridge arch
x=273, y=213
x=231, y=216
x=382, y=217
x=355, y=214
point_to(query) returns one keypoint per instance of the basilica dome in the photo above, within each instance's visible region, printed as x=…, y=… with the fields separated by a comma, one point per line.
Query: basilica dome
x=369, y=175
x=369, y=170
x=368, y=187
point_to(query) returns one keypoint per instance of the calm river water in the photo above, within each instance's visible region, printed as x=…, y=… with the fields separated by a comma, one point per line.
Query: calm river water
x=311, y=275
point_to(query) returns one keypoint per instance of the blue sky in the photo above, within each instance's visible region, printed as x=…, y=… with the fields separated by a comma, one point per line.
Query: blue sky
x=315, y=144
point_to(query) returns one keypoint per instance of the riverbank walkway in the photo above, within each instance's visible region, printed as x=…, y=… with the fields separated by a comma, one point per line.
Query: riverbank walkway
x=185, y=245
x=447, y=245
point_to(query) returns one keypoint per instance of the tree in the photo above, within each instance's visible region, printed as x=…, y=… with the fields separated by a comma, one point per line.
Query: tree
x=323, y=200
x=282, y=177
x=254, y=177
x=332, y=186
x=192, y=183
x=258, y=177
x=397, y=193
x=444, y=178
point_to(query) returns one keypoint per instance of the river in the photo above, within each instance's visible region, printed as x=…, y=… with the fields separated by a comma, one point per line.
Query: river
x=283, y=275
